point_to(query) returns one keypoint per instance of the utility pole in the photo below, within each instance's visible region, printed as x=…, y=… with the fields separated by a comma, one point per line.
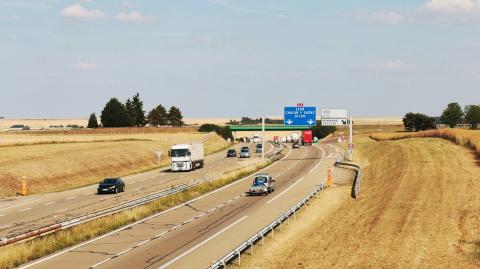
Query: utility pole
x=263, y=137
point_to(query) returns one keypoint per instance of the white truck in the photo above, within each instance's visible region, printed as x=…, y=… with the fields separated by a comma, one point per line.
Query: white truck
x=186, y=157
x=257, y=139
x=295, y=138
x=289, y=138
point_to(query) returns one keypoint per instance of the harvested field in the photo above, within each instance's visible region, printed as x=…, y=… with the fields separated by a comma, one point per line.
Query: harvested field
x=59, y=162
x=419, y=207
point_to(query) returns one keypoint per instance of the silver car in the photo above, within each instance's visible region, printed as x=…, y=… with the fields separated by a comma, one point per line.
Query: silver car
x=245, y=152
x=263, y=184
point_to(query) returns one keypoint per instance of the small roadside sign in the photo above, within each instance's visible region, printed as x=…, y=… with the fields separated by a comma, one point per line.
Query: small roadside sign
x=334, y=122
x=334, y=113
x=351, y=146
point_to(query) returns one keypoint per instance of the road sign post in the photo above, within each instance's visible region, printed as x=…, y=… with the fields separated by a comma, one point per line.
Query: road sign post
x=350, y=155
x=159, y=155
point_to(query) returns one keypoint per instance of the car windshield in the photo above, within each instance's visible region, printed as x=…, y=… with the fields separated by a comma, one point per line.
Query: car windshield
x=259, y=145
x=110, y=181
x=179, y=152
x=244, y=150
x=260, y=180
x=231, y=150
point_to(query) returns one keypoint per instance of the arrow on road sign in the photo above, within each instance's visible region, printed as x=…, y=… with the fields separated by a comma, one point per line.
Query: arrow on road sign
x=289, y=122
x=310, y=121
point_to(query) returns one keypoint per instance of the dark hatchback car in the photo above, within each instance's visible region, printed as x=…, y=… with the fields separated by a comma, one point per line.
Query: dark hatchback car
x=111, y=185
x=231, y=153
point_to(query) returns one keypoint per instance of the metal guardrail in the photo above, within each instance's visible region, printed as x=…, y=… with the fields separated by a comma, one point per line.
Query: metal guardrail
x=237, y=252
x=357, y=180
x=102, y=213
x=111, y=210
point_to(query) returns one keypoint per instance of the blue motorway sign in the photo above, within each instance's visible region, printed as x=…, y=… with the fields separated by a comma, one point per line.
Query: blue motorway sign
x=300, y=116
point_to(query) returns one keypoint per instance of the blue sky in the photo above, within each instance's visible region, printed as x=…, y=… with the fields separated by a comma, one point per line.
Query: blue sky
x=229, y=58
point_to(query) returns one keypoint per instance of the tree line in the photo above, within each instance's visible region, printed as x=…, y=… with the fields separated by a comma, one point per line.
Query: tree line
x=131, y=114
x=451, y=116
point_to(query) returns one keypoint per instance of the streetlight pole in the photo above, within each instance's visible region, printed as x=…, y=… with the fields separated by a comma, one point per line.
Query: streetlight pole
x=263, y=137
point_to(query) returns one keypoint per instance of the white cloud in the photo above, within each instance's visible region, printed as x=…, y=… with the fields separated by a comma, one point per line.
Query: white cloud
x=230, y=5
x=392, y=66
x=449, y=10
x=389, y=17
x=87, y=1
x=76, y=11
x=85, y=66
x=133, y=17
x=126, y=4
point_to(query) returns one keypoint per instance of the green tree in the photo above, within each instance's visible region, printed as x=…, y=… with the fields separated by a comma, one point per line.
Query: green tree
x=175, y=116
x=132, y=113
x=320, y=131
x=114, y=114
x=472, y=115
x=225, y=131
x=452, y=115
x=418, y=122
x=137, y=107
x=158, y=116
x=92, y=121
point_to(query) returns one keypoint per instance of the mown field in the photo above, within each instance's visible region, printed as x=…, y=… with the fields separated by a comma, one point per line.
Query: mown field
x=419, y=207
x=64, y=160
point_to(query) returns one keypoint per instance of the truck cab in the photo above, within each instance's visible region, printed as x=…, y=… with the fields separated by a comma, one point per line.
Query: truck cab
x=263, y=184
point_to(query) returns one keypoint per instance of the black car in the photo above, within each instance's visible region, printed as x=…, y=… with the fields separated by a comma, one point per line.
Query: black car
x=296, y=145
x=111, y=185
x=231, y=153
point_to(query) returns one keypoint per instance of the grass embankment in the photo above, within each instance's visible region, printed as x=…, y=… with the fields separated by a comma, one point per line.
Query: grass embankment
x=467, y=138
x=15, y=255
x=419, y=207
x=52, y=163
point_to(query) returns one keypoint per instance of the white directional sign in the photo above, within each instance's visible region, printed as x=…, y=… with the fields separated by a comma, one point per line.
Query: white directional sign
x=334, y=113
x=334, y=122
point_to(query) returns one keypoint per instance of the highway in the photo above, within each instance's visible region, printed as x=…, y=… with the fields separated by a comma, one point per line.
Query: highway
x=193, y=234
x=22, y=214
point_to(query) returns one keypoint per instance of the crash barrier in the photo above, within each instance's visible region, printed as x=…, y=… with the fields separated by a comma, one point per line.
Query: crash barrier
x=113, y=210
x=358, y=177
x=259, y=236
x=103, y=213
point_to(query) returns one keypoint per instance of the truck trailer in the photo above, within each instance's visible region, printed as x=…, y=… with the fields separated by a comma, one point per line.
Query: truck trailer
x=186, y=157
x=307, y=137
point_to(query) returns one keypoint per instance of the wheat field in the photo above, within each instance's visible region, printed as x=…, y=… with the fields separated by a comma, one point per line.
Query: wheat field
x=59, y=162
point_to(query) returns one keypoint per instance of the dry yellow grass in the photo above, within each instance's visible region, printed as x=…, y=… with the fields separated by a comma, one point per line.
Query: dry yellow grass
x=59, y=165
x=467, y=138
x=15, y=255
x=419, y=207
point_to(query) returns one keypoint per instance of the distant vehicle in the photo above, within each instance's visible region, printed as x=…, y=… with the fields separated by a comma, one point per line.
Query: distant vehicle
x=295, y=137
x=296, y=145
x=256, y=138
x=258, y=148
x=307, y=137
x=263, y=184
x=111, y=185
x=245, y=152
x=18, y=127
x=289, y=139
x=284, y=139
x=231, y=153
x=186, y=157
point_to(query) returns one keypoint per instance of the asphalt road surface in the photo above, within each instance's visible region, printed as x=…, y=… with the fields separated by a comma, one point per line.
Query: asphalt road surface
x=193, y=234
x=22, y=214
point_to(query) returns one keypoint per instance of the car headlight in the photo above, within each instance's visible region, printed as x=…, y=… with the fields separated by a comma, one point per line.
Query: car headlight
x=111, y=187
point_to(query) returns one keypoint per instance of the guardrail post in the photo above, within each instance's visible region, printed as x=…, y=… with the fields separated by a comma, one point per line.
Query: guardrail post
x=272, y=231
x=295, y=214
x=262, y=240
x=239, y=254
x=251, y=247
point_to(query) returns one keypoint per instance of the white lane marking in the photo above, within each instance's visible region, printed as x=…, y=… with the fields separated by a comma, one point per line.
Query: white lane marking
x=142, y=243
x=13, y=206
x=49, y=203
x=149, y=218
x=2, y=215
x=301, y=159
x=61, y=210
x=6, y=226
x=100, y=263
x=284, y=191
x=70, y=198
x=201, y=244
x=25, y=209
